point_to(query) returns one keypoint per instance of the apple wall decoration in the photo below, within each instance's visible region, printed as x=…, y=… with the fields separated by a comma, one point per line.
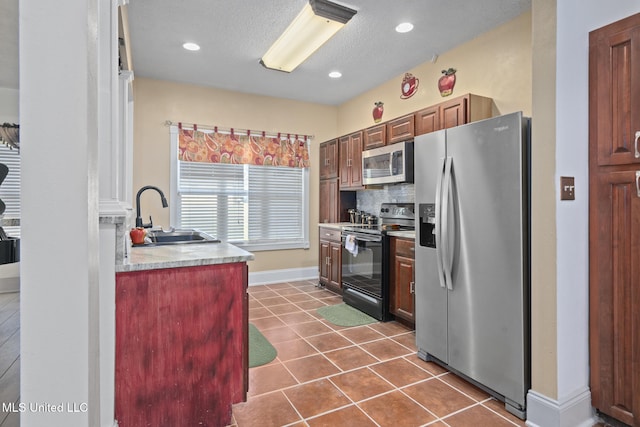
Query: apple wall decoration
x=447, y=82
x=377, y=111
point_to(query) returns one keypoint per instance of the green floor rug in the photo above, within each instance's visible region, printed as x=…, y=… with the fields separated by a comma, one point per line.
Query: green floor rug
x=261, y=351
x=345, y=315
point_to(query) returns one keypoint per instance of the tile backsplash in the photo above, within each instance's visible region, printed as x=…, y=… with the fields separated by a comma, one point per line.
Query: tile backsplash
x=370, y=200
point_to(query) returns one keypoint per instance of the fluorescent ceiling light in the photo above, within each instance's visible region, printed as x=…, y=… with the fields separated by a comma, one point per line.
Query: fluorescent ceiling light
x=318, y=21
x=405, y=27
x=335, y=74
x=191, y=46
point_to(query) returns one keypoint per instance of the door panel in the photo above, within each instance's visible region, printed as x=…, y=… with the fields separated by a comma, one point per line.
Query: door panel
x=615, y=287
x=486, y=306
x=615, y=61
x=430, y=297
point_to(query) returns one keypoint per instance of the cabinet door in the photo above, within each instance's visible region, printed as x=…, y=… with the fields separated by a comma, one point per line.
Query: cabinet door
x=427, y=120
x=403, y=299
x=356, y=162
x=345, y=162
x=351, y=161
x=329, y=201
x=453, y=112
x=335, y=264
x=329, y=159
x=400, y=129
x=615, y=295
x=615, y=92
x=323, y=262
x=375, y=136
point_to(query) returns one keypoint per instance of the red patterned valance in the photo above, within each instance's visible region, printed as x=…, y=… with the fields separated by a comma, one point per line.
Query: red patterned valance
x=214, y=147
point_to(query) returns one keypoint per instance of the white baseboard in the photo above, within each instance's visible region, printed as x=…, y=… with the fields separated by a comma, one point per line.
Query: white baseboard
x=284, y=275
x=572, y=411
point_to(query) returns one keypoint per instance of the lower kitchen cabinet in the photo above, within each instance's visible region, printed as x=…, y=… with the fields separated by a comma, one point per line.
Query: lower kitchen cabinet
x=181, y=345
x=330, y=262
x=402, y=278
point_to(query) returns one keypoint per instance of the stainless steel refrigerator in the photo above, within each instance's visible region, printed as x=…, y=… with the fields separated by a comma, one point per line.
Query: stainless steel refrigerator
x=472, y=254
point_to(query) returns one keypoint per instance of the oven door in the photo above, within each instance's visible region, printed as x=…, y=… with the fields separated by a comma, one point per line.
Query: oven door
x=362, y=273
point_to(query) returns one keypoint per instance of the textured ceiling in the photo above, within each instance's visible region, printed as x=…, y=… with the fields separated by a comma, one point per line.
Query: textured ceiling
x=234, y=34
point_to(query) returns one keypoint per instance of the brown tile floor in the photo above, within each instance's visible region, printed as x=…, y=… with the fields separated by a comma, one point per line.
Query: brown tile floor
x=326, y=375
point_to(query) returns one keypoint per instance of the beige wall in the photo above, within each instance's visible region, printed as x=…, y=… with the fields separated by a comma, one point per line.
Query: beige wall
x=497, y=64
x=158, y=101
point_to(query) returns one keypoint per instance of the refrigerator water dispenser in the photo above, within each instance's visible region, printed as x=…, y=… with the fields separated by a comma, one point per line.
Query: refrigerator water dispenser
x=427, y=215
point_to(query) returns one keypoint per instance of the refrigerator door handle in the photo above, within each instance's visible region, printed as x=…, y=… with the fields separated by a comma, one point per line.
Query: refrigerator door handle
x=447, y=231
x=438, y=225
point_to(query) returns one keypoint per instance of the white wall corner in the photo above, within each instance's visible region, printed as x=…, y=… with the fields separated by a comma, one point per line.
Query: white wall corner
x=284, y=275
x=571, y=411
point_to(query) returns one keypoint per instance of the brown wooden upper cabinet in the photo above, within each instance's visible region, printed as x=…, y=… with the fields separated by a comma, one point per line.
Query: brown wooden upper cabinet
x=453, y=112
x=375, y=136
x=329, y=159
x=400, y=129
x=351, y=161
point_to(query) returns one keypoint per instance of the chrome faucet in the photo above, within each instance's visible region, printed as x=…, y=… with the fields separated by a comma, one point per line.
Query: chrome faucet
x=139, y=222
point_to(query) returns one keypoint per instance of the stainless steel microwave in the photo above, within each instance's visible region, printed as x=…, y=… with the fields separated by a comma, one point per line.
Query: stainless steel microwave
x=390, y=164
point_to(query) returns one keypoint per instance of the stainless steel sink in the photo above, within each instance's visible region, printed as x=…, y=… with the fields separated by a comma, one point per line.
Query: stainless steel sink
x=177, y=237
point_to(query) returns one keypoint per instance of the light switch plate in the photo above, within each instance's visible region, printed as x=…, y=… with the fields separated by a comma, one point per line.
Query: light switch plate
x=567, y=188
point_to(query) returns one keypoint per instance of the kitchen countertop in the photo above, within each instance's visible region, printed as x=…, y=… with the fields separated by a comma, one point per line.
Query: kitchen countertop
x=186, y=255
x=403, y=234
x=334, y=225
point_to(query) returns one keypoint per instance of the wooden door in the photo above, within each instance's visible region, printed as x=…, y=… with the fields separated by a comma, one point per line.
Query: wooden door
x=335, y=265
x=427, y=120
x=323, y=262
x=615, y=295
x=453, y=113
x=375, y=136
x=401, y=129
x=345, y=162
x=402, y=298
x=356, y=159
x=329, y=200
x=614, y=219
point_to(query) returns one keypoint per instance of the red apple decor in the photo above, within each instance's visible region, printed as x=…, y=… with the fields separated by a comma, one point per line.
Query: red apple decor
x=447, y=82
x=377, y=111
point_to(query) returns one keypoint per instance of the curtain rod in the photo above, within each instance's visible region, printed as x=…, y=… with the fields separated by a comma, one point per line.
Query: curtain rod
x=236, y=130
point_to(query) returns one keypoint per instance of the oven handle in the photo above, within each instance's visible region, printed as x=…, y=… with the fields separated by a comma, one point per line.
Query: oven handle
x=362, y=238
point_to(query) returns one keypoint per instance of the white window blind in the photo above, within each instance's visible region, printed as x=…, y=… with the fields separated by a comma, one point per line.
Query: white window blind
x=10, y=187
x=256, y=207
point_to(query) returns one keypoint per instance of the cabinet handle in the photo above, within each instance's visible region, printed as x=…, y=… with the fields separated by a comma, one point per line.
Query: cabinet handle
x=635, y=144
x=412, y=248
x=412, y=287
x=328, y=260
x=638, y=182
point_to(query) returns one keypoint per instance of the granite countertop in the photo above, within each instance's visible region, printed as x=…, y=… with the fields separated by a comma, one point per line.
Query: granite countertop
x=187, y=255
x=403, y=234
x=334, y=225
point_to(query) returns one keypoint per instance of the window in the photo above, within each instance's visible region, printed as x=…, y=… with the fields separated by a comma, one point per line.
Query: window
x=10, y=188
x=256, y=207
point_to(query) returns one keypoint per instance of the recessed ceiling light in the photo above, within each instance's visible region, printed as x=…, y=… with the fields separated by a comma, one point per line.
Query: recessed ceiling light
x=335, y=74
x=405, y=27
x=191, y=46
